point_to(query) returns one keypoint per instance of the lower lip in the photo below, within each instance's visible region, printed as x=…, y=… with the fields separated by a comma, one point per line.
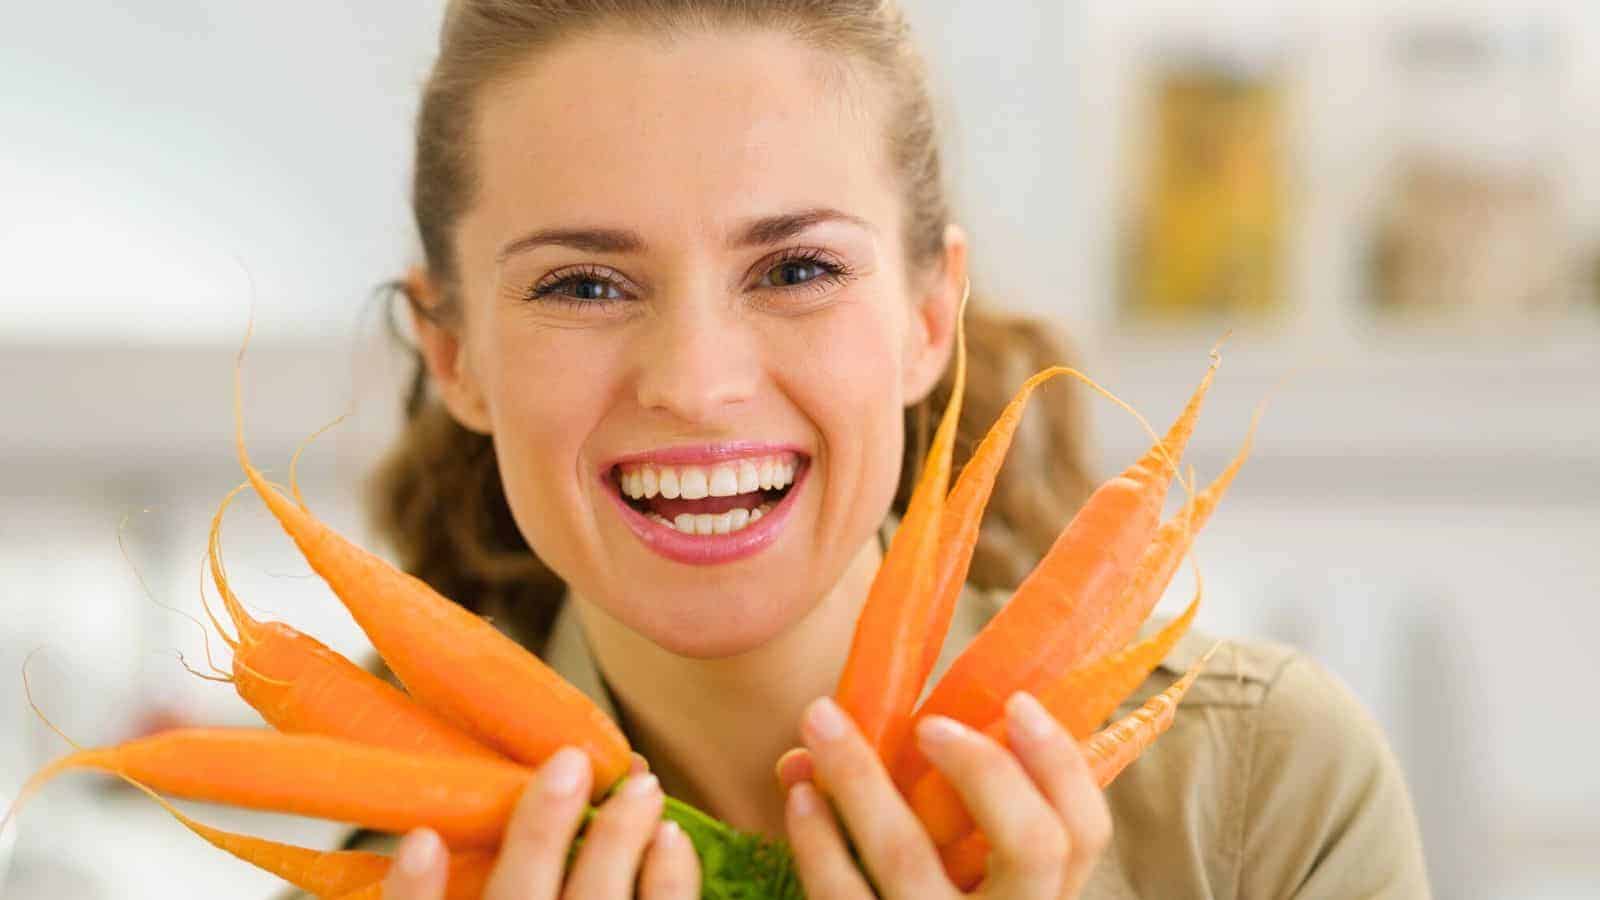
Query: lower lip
x=709, y=549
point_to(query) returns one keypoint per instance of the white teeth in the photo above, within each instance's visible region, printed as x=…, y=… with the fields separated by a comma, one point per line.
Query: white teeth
x=724, y=481
x=749, y=477
x=669, y=484
x=692, y=484
x=764, y=474
x=707, y=523
x=647, y=480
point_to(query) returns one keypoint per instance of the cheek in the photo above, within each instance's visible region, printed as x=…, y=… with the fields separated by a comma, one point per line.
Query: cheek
x=546, y=395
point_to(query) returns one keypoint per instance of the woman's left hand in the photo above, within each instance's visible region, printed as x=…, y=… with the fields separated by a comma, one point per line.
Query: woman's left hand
x=1046, y=820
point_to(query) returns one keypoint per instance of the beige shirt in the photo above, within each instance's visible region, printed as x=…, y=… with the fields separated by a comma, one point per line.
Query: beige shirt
x=1273, y=782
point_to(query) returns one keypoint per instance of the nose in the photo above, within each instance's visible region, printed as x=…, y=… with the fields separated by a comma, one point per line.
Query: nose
x=697, y=364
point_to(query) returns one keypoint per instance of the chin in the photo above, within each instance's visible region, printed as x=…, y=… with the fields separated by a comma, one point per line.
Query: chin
x=716, y=625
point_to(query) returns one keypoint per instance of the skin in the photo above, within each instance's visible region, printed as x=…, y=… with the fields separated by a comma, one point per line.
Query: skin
x=697, y=342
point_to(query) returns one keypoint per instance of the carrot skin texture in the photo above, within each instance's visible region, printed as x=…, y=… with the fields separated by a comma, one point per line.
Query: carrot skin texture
x=882, y=676
x=451, y=661
x=300, y=685
x=327, y=694
x=1079, y=701
x=1041, y=634
x=1160, y=562
x=1114, y=747
x=468, y=801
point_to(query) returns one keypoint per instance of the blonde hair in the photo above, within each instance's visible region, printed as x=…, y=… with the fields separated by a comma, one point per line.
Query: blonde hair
x=437, y=497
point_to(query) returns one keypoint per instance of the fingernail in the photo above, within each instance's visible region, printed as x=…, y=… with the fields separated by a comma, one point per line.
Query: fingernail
x=825, y=720
x=417, y=852
x=803, y=799
x=1029, y=716
x=669, y=835
x=641, y=786
x=563, y=772
x=939, y=731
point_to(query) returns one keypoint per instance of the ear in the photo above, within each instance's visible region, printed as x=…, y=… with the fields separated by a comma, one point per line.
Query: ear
x=443, y=352
x=932, y=336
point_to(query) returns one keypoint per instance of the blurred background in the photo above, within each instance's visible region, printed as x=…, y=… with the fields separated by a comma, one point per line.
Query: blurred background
x=1394, y=204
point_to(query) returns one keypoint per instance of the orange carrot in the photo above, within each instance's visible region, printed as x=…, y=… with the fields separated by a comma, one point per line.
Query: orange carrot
x=1107, y=752
x=451, y=661
x=330, y=873
x=300, y=685
x=1112, y=748
x=1079, y=701
x=1040, y=634
x=966, y=861
x=963, y=513
x=466, y=800
x=882, y=675
x=317, y=872
x=1161, y=560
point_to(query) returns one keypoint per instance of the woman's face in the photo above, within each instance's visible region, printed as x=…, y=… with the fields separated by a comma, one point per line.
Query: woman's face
x=685, y=310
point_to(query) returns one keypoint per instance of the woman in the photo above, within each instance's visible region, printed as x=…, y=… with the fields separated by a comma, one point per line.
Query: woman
x=690, y=269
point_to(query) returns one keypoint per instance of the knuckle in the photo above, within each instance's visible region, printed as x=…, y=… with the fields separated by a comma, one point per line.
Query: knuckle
x=1040, y=845
x=899, y=861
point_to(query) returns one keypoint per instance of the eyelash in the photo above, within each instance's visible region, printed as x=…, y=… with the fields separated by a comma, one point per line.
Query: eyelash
x=832, y=273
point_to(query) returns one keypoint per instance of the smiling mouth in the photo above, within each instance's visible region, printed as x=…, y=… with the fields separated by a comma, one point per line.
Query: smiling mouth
x=722, y=498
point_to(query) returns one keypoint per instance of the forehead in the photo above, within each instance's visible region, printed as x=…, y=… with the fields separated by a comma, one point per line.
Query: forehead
x=697, y=133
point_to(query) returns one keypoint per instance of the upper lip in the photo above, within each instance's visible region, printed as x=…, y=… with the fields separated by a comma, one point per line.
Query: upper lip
x=701, y=454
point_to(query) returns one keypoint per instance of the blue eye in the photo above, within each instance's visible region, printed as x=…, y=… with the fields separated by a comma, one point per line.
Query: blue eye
x=589, y=286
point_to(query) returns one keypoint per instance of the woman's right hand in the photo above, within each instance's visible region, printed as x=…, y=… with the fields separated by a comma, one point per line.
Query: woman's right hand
x=627, y=842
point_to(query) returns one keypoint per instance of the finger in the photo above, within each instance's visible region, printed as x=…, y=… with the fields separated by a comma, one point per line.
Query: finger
x=1028, y=841
x=893, y=844
x=671, y=869
x=1052, y=759
x=612, y=847
x=794, y=766
x=419, y=870
x=820, y=854
x=534, y=850
x=637, y=764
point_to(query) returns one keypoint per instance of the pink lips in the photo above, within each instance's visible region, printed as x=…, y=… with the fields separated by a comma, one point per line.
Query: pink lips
x=703, y=454
x=707, y=549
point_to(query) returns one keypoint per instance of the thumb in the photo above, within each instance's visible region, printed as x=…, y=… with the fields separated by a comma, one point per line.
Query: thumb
x=419, y=870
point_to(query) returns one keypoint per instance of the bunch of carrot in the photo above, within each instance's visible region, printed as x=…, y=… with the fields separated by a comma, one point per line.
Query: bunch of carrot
x=453, y=750
x=1064, y=636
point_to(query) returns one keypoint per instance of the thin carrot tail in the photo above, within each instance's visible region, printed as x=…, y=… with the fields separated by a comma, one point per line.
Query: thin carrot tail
x=1117, y=745
x=316, y=872
x=35, y=783
x=882, y=675
x=1079, y=701
x=245, y=624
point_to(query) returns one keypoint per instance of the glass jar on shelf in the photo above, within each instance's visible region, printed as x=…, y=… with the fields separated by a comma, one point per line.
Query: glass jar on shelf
x=1471, y=230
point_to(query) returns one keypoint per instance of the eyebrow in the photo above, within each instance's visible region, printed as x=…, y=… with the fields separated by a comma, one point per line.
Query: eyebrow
x=758, y=233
